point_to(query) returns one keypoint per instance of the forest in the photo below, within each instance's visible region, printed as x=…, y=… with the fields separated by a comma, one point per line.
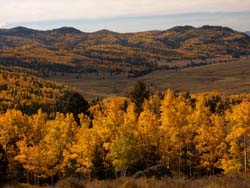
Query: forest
x=192, y=135
x=70, y=50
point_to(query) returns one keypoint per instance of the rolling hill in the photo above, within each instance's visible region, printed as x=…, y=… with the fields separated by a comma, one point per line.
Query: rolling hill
x=22, y=90
x=70, y=50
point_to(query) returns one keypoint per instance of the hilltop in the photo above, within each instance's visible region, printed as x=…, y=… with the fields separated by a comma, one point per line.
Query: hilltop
x=70, y=50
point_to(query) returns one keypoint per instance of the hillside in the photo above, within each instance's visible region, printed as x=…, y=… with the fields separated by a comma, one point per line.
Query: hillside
x=70, y=50
x=20, y=89
x=248, y=32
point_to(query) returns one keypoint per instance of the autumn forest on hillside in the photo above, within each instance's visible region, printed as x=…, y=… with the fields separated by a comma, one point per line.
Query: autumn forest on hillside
x=68, y=49
x=93, y=110
x=183, y=134
x=124, y=94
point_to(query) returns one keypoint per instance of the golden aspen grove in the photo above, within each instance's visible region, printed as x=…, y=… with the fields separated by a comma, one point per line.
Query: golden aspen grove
x=191, y=135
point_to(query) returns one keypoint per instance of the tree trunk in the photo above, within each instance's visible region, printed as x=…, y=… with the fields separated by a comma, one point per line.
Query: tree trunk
x=89, y=176
x=52, y=180
x=35, y=178
x=179, y=163
x=27, y=176
x=245, y=154
x=190, y=166
x=168, y=161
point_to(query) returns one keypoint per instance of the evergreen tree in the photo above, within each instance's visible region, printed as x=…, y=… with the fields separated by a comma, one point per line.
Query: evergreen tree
x=139, y=93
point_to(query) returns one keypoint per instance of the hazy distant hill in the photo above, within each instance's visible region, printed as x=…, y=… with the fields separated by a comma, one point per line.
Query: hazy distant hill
x=248, y=32
x=70, y=50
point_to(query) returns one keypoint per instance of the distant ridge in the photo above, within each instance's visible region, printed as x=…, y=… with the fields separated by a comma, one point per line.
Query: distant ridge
x=217, y=28
x=181, y=28
x=104, y=31
x=248, y=33
x=67, y=30
x=19, y=31
x=22, y=29
x=68, y=49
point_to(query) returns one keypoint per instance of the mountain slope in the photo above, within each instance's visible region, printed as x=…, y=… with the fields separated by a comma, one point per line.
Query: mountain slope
x=70, y=50
x=21, y=89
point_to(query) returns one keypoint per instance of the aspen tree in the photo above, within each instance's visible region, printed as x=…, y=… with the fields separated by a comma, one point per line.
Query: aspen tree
x=239, y=136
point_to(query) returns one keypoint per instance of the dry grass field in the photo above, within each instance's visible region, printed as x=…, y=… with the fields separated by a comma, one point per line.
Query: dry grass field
x=229, y=181
x=230, y=77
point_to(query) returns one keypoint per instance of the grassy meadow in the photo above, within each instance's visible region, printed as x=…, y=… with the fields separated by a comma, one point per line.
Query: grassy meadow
x=228, y=78
x=229, y=181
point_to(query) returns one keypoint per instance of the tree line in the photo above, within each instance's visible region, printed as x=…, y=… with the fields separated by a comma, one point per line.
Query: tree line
x=192, y=135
